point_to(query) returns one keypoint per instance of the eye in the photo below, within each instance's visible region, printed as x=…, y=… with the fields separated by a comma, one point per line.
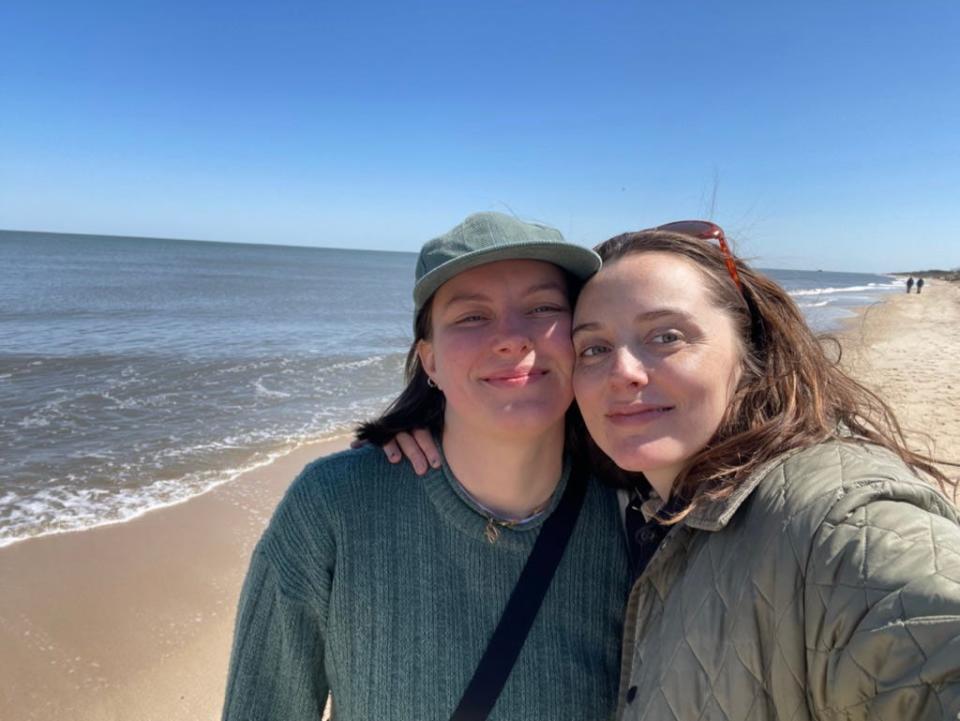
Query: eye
x=548, y=308
x=470, y=318
x=592, y=351
x=667, y=337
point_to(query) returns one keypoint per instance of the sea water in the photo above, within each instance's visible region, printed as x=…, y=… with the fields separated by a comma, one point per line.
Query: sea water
x=136, y=372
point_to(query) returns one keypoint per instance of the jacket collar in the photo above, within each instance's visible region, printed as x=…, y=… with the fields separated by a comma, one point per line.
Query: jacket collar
x=715, y=515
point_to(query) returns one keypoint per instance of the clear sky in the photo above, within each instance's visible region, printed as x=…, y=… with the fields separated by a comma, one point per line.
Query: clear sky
x=820, y=134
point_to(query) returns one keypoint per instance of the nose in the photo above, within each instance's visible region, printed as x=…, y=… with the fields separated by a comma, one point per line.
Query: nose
x=627, y=369
x=513, y=335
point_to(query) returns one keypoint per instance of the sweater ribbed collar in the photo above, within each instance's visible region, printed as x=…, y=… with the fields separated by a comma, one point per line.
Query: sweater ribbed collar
x=466, y=515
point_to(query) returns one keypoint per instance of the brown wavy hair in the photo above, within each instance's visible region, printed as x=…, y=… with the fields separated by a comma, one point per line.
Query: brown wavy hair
x=791, y=393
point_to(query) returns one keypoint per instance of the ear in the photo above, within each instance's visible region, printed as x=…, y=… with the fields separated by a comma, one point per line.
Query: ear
x=427, y=359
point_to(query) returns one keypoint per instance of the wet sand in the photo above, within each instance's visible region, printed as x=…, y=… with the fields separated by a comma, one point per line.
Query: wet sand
x=134, y=621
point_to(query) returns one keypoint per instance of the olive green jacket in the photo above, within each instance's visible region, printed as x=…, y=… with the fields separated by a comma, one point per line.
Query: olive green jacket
x=826, y=587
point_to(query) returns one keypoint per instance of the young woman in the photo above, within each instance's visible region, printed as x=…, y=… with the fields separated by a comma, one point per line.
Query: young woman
x=789, y=558
x=384, y=588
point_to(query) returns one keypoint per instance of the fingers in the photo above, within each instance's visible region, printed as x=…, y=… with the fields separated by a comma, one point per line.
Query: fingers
x=424, y=439
x=417, y=446
x=411, y=449
x=392, y=451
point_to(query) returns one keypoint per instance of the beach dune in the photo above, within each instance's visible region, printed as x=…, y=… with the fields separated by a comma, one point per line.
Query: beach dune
x=134, y=621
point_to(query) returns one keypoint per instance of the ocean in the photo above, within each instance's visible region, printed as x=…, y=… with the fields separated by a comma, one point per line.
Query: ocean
x=136, y=373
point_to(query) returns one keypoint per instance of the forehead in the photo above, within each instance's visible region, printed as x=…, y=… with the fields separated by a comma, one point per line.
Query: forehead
x=647, y=281
x=513, y=276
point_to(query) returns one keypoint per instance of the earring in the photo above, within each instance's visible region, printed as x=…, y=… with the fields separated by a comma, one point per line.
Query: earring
x=430, y=382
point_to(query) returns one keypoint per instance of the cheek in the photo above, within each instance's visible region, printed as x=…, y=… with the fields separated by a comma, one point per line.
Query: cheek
x=716, y=383
x=558, y=335
x=587, y=390
x=718, y=398
x=451, y=355
x=728, y=373
x=563, y=351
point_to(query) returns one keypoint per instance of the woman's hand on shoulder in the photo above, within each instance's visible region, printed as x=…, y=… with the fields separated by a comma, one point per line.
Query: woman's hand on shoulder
x=417, y=446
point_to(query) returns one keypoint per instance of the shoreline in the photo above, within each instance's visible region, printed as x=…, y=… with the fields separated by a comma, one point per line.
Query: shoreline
x=134, y=620
x=230, y=476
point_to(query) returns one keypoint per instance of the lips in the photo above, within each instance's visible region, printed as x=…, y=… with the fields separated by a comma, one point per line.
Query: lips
x=638, y=413
x=515, y=377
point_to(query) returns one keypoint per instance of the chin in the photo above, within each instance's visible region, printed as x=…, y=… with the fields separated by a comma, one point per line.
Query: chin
x=642, y=458
x=526, y=419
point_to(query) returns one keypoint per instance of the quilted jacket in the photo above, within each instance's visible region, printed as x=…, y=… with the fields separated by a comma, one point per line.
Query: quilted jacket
x=826, y=587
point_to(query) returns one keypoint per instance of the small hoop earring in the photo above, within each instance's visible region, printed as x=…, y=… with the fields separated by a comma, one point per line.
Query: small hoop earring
x=430, y=382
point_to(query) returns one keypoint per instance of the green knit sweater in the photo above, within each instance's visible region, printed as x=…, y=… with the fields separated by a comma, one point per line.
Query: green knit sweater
x=380, y=587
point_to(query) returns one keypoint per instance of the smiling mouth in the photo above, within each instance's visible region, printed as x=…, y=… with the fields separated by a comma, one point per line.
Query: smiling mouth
x=638, y=414
x=515, y=379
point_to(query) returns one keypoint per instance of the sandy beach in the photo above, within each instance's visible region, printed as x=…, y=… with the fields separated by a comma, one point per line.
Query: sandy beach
x=133, y=621
x=907, y=351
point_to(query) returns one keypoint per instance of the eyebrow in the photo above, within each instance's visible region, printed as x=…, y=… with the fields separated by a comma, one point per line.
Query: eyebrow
x=639, y=318
x=482, y=297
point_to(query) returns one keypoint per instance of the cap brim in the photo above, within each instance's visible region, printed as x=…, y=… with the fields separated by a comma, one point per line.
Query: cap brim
x=577, y=260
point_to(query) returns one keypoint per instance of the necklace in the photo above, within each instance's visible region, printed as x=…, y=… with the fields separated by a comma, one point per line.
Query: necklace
x=494, y=522
x=492, y=530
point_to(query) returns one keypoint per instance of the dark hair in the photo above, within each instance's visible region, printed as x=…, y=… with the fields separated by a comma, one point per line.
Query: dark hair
x=421, y=406
x=791, y=394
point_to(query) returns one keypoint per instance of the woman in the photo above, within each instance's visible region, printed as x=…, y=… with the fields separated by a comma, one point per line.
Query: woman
x=789, y=561
x=793, y=564
x=384, y=588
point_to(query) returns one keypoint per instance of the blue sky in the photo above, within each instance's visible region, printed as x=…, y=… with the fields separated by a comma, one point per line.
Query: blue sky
x=829, y=131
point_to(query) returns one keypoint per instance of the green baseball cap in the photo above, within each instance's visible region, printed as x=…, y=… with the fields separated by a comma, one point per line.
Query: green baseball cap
x=488, y=237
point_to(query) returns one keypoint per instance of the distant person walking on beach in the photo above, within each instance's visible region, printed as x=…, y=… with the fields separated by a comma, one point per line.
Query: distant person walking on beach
x=910, y=284
x=384, y=588
x=919, y=285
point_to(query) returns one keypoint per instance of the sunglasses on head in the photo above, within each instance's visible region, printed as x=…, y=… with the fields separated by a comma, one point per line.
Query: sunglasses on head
x=705, y=230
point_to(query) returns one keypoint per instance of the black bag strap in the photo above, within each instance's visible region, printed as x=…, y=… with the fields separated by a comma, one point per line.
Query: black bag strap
x=521, y=610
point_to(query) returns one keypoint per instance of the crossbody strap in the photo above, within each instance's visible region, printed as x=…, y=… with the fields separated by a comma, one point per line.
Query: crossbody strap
x=521, y=610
